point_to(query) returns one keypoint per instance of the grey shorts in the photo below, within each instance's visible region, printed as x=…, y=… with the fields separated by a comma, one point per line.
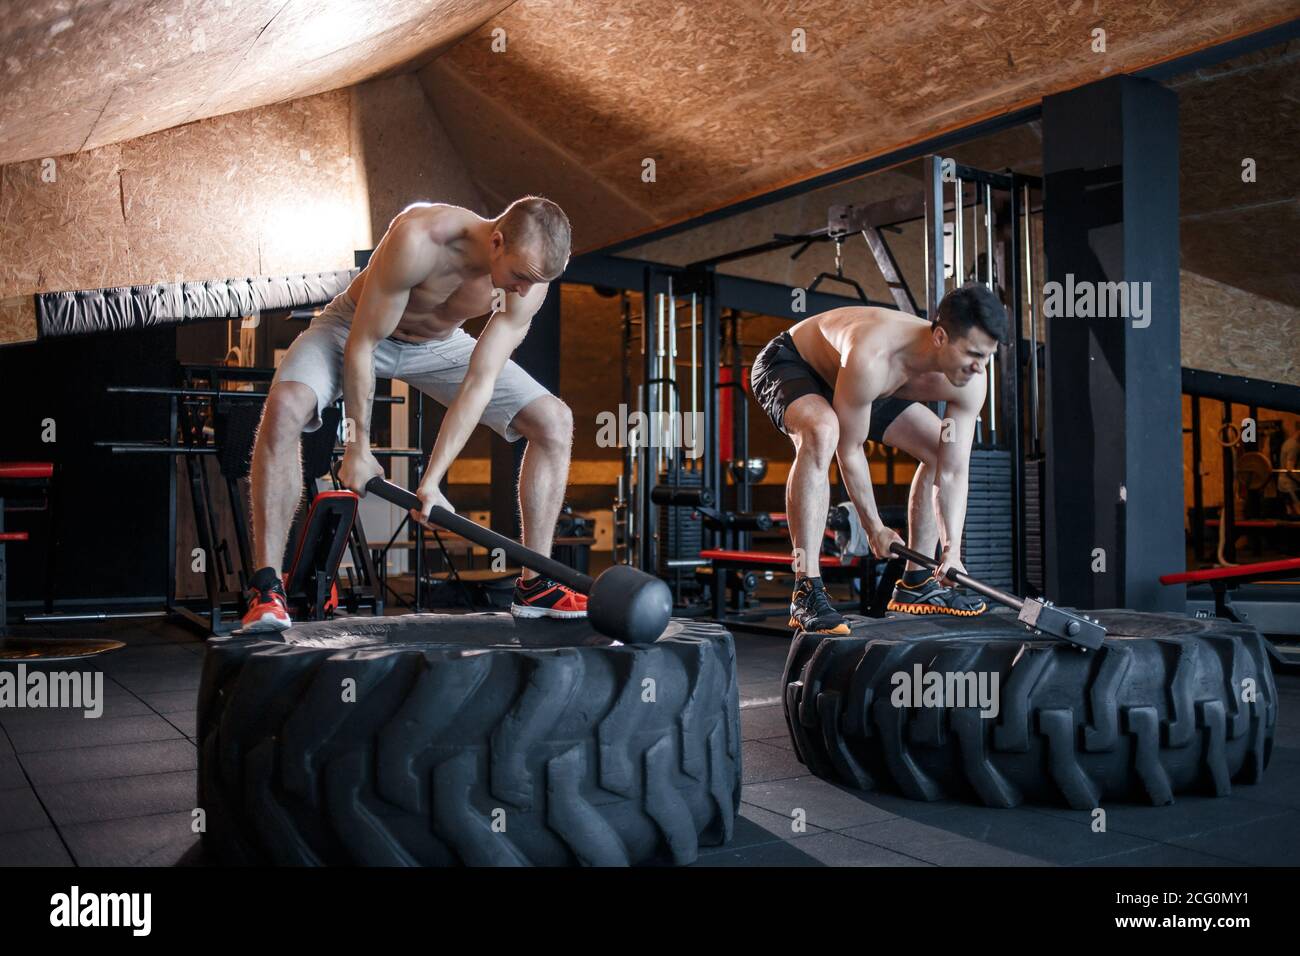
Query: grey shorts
x=435, y=368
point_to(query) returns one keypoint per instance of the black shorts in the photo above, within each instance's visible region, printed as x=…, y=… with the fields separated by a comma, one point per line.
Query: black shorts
x=780, y=375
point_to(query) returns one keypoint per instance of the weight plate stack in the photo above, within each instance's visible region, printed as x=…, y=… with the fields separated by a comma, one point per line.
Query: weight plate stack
x=1034, y=523
x=986, y=538
x=681, y=535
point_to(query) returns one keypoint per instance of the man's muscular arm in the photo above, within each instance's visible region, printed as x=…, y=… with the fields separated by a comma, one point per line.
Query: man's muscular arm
x=404, y=258
x=857, y=386
x=952, y=480
x=502, y=335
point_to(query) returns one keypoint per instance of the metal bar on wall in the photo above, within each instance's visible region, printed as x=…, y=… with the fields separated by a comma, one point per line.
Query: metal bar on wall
x=1013, y=372
x=1198, y=483
x=1033, y=320
x=1228, y=512
x=709, y=351
x=173, y=425
x=645, y=476
x=934, y=260
x=889, y=270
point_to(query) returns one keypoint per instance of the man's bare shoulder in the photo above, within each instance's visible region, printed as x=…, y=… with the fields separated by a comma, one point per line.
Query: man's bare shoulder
x=423, y=239
x=437, y=223
x=870, y=331
x=856, y=325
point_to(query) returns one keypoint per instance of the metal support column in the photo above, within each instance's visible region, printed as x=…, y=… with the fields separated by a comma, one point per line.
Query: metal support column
x=934, y=259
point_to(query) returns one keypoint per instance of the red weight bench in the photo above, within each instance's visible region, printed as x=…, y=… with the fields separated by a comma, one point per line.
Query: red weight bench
x=722, y=560
x=26, y=486
x=1222, y=581
x=1250, y=524
x=311, y=583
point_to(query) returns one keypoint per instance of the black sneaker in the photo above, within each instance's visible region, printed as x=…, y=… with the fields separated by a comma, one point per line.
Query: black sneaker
x=932, y=597
x=542, y=597
x=810, y=610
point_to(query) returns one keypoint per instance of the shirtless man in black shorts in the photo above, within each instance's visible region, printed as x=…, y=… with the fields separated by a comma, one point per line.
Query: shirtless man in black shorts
x=837, y=379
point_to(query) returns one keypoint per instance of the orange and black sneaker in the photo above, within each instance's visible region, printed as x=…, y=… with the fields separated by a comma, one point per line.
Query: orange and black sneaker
x=541, y=597
x=268, y=606
x=811, y=610
x=929, y=596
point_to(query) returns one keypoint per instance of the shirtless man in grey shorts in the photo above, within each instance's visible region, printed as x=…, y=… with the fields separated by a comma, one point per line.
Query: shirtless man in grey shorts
x=436, y=267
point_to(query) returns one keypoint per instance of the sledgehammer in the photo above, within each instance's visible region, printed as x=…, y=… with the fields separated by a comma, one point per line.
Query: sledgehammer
x=623, y=603
x=1041, y=617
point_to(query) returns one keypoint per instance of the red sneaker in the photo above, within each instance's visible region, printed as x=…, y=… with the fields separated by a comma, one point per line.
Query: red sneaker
x=268, y=608
x=542, y=597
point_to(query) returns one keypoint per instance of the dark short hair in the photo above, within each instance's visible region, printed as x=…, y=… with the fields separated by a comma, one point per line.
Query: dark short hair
x=973, y=306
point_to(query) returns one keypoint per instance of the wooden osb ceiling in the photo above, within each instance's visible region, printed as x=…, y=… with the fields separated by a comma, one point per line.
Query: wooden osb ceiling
x=1238, y=233
x=77, y=74
x=585, y=90
x=712, y=91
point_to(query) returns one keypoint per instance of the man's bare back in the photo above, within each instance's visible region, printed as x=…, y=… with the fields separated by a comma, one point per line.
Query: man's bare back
x=879, y=347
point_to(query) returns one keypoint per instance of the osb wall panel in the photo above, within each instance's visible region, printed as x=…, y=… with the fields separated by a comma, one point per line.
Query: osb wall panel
x=406, y=152
x=509, y=158
x=256, y=193
x=263, y=192
x=591, y=379
x=17, y=319
x=61, y=224
x=1246, y=108
x=714, y=92
x=1233, y=332
x=1251, y=248
x=1235, y=231
x=80, y=76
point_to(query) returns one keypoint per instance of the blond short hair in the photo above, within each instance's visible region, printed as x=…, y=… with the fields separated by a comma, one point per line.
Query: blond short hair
x=539, y=224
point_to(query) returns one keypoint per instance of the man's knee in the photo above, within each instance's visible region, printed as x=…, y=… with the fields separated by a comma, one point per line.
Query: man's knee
x=547, y=421
x=290, y=407
x=927, y=467
x=817, y=438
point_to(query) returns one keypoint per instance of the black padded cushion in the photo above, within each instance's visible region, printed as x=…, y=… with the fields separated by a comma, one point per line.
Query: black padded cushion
x=164, y=303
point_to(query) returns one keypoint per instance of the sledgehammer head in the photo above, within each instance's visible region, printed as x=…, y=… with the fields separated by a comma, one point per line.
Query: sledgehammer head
x=629, y=605
x=1045, y=617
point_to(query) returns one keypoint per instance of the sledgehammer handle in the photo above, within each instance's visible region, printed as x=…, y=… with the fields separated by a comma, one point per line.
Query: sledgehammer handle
x=483, y=536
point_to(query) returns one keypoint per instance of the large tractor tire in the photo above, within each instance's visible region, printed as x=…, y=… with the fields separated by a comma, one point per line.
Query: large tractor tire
x=436, y=739
x=1168, y=705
